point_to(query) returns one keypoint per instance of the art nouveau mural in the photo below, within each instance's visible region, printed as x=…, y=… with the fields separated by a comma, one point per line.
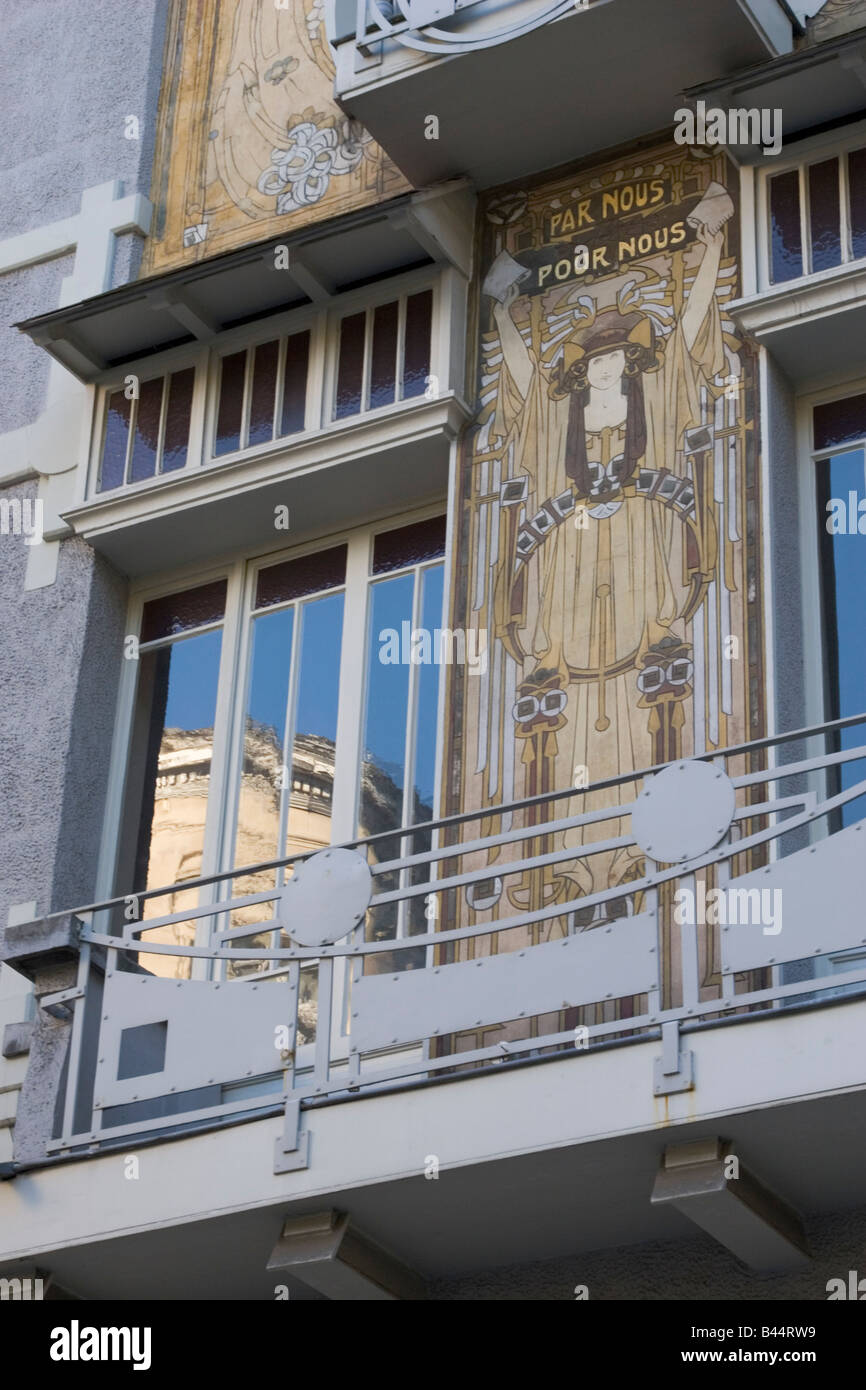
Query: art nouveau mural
x=250, y=140
x=608, y=543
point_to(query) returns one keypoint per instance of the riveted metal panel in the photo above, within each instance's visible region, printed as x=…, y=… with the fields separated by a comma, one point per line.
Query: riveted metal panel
x=806, y=905
x=216, y=1033
x=609, y=962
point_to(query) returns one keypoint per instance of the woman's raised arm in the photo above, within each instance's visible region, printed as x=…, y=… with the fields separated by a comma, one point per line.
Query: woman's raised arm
x=517, y=359
x=702, y=291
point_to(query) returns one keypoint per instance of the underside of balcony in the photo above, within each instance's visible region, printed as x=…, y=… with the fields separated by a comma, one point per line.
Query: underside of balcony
x=599, y=75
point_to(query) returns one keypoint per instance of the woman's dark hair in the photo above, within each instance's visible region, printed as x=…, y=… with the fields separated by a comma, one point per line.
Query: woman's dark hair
x=639, y=358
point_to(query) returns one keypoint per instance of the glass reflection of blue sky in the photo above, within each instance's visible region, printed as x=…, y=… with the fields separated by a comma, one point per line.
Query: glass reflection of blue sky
x=319, y=683
x=388, y=685
x=844, y=585
x=269, y=676
x=318, y=687
x=192, y=686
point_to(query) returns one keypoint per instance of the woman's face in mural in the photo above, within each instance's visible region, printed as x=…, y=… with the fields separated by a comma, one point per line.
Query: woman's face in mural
x=606, y=369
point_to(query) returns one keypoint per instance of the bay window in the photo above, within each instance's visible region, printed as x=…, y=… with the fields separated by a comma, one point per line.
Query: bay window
x=267, y=383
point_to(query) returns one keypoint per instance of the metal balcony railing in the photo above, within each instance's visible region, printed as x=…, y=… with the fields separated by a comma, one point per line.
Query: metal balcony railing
x=435, y=950
x=445, y=27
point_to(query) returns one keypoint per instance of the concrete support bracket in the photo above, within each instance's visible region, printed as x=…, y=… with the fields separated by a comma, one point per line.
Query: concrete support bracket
x=32, y=948
x=323, y=1251
x=706, y=1182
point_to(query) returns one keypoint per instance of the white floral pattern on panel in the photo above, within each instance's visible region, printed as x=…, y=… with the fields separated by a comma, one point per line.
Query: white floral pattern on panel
x=301, y=173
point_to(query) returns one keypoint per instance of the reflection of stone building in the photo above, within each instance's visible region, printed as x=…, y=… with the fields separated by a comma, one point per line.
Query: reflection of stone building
x=180, y=807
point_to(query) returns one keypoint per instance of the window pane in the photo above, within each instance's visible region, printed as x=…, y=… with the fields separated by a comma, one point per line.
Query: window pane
x=416, y=355
x=841, y=487
x=177, y=418
x=857, y=190
x=163, y=617
x=426, y=715
x=145, y=445
x=824, y=214
x=839, y=421
x=383, y=766
x=387, y=705
x=351, y=368
x=787, y=253
x=264, y=392
x=228, y=436
x=168, y=780
x=263, y=778
x=426, y=729
x=295, y=383
x=116, y=441
x=383, y=372
x=409, y=545
x=314, y=743
x=257, y=837
x=306, y=575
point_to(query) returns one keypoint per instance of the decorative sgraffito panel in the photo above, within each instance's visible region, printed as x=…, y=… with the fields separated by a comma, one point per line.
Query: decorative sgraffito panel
x=609, y=539
x=250, y=140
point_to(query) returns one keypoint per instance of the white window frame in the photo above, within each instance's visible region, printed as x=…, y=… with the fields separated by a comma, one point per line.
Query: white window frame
x=323, y=323
x=831, y=144
x=813, y=636
x=147, y=369
x=241, y=573
x=399, y=288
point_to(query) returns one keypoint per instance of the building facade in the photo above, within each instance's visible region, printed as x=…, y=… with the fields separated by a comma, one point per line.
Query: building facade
x=434, y=444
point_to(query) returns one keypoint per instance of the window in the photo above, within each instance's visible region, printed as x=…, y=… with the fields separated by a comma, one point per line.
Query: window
x=240, y=395
x=146, y=429
x=384, y=354
x=307, y=737
x=404, y=651
x=262, y=393
x=168, y=777
x=817, y=215
x=839, y=439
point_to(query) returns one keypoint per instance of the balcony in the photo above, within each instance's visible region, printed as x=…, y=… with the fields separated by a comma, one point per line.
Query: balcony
x=514, y=87
x=445, y=997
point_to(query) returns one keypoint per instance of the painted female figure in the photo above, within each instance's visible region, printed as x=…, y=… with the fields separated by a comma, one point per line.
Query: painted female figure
x=604, y=592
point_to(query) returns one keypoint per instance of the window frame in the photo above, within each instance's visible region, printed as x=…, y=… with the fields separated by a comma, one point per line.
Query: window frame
x=813, y=634
x=323, y=321
x=241, y=573
x=160, y=364
x=830, y=144
x=400, y=289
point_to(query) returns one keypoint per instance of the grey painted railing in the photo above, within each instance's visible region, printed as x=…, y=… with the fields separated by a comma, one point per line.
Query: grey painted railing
x=457, y=950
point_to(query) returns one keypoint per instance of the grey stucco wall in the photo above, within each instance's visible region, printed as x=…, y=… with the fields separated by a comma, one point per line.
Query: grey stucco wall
x=72, y=74
x=689, y=1270
x=59, y=666
x=23, y=366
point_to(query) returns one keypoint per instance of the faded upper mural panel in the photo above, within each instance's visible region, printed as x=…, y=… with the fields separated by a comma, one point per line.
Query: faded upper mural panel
x=250, y=140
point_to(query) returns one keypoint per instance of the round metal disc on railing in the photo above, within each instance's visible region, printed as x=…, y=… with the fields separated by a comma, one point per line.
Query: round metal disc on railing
x=326, y=897
x=683, y=811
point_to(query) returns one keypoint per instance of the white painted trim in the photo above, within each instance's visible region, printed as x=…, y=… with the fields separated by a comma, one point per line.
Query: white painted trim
x=768, y=533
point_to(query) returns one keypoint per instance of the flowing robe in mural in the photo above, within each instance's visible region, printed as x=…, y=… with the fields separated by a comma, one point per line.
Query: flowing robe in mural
x=599, y=596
